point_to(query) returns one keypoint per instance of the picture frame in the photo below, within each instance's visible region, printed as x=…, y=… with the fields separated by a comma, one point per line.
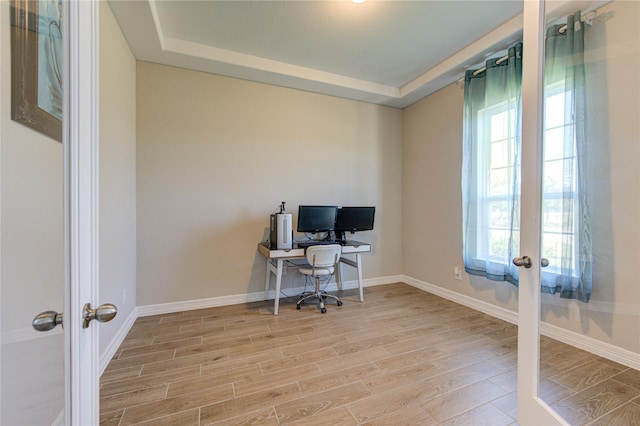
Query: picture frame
x=36, y=65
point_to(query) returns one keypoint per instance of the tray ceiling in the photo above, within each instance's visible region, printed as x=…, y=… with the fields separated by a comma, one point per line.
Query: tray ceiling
x=386, y=52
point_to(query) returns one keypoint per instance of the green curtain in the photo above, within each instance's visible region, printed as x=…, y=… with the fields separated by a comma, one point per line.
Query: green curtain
x=566, y=242
x=491, y=166
x=491, y=203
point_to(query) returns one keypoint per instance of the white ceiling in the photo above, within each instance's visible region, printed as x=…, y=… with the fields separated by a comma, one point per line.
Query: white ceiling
x=387, y=52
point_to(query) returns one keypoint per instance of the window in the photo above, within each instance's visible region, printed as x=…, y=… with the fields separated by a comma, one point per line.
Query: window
x=500, y=163
x=491, y=166
x=496, y=192
x=497, y=134
x=560, y=189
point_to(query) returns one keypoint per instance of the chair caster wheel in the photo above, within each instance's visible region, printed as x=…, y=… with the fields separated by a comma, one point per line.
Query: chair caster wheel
x=323, y=310
x=339, y=303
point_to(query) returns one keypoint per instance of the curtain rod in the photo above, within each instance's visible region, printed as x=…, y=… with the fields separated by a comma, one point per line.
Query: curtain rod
x=588, y=19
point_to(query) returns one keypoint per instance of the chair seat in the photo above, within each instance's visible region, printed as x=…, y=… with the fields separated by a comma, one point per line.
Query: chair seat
x=322, y=260
x=308, y=270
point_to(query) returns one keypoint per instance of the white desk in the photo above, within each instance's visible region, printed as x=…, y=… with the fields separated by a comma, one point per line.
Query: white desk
x=276, y=258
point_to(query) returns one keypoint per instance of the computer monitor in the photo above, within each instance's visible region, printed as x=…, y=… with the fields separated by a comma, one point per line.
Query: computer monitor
x=316, y=218
x=354, y=219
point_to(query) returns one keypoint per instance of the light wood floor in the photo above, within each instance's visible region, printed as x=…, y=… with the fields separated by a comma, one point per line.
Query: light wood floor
x=403, y=357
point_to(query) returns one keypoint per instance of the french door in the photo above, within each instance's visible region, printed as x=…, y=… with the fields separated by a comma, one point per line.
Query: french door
x=612, y=106
x=49, y=237
x=531, y=409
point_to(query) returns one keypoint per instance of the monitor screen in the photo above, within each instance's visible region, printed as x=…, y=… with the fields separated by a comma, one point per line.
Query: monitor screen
x=354, y=219
x=316, y=218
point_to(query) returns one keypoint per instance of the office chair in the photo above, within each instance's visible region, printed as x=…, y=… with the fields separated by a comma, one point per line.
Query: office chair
x=322, y=260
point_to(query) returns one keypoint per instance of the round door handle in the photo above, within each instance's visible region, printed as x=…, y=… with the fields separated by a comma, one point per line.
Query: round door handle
x=47, y=320
x=522, y=261
x=103, y=313
x=526, y=262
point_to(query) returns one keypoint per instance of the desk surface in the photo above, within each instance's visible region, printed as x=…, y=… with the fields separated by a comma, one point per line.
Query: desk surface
x=276, y=258
x=350, y=246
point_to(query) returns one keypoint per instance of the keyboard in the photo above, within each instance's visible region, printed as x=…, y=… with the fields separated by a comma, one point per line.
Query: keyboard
x=309, y=243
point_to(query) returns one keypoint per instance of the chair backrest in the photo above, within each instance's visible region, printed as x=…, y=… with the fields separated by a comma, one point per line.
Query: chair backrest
x=324, y=256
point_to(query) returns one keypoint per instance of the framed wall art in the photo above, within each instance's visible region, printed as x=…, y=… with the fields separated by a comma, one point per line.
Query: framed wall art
x=36, y=65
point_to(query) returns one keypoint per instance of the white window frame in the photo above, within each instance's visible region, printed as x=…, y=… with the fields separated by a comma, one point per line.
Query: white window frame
x=554, y=268
x=484, y=165
x=485, y=198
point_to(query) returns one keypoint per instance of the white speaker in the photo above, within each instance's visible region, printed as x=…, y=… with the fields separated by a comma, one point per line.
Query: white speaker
x=282, y=231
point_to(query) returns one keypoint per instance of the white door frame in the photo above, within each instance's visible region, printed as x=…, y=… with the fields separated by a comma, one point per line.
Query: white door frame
x=80, y=133
x=531, y=409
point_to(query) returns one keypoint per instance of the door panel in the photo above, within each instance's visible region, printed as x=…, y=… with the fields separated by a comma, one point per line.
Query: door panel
x=531, y=410
x=557, y=382
x=32, y=260
x=612, y=106
x=49, y=239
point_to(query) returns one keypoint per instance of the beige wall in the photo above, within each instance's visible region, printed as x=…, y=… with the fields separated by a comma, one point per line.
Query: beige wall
x=432, y=210
x=117, y=174
x=215, y=156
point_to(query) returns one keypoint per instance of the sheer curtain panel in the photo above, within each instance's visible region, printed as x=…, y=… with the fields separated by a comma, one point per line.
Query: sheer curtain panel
x=491, y=167
x=566, y=220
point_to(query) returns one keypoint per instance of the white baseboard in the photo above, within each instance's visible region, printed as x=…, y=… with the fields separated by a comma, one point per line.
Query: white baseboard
x=59, y=420
x=211, y=302
x=478, y=305
x=391, y=279
x=117, y=340
x=606, y=350
x=189, y=305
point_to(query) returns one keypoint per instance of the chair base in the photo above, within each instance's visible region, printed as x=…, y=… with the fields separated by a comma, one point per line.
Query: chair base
x=321, y=296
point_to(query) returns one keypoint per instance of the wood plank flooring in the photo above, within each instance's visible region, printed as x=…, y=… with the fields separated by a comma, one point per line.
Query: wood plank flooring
x=403, y=357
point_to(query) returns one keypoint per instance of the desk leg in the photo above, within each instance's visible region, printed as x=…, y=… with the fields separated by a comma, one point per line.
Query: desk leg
x=276, y=302
x=339, y=274
x=359, y=268
x=267, y=279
